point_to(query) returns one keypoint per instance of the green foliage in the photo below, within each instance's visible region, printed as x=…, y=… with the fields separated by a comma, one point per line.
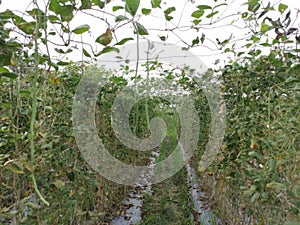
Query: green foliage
x=132, y=6
x=257, y=172
x=141, y=30
x=261, y=149
x=155, y=3
x=81, y=29
x=167, y=13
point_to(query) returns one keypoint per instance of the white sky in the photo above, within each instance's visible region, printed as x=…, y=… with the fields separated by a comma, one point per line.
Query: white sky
x=207, y=53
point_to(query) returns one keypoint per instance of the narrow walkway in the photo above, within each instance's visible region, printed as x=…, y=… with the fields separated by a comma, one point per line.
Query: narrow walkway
x=202, y=211
x=134, y=202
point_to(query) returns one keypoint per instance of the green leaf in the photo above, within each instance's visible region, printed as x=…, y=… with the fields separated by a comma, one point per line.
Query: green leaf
x=146, y=11
x=62, y=63
x=254, y=39
x=262, y=14
x=195, y=41
x=123, y=41
x=196, y=22
x=155, y=3
x=282, y=7
x=27, y=27
x=203, y=7
x=132, y=6
x=168, y=18
x=65, y=11
x=86, y=4
x=169, y=10
x=163, y=38
x=202, y=39
x=116, y=8
x=3, y=70
x=108, y=49
x=9, y=75
x=265, y=27
x=85, y=52
x=52, y=33
x=53, y=18
x=121, y=18
x=81, y=29
x=141, y=30
x=54, y=6
x=266, y=44
x=61, y=51
x=223, y=4
x=253, y=5
x=16, y=19
x=99, y=3
x=197, y=14
x=212, y=14
x=37, y=13
x=245, y=15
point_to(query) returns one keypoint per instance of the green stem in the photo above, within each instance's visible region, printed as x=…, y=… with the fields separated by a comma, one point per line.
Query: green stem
x=135, y=79
x=33, y=114
x=146, y=104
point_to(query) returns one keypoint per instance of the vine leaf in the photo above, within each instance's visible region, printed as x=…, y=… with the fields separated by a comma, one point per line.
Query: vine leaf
x=85, y=52
x=99, y=3
x=81, y=29
x=106, y=50
x=282, y=7
x=62, y=63
x=86, y=4
x=198, y=13
x=65, y=11
x=202, y=39
x=132, y=6
x=163, y=38
x=141, y=29
x=168, y=11
x=155, y=3
x=116, y=8
x=123, y=41
x=253, y=5
x=3, y=70
x=212, y=14
x=9, y=75
x=146, y=11
x=203, y=7
x=120, y=18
